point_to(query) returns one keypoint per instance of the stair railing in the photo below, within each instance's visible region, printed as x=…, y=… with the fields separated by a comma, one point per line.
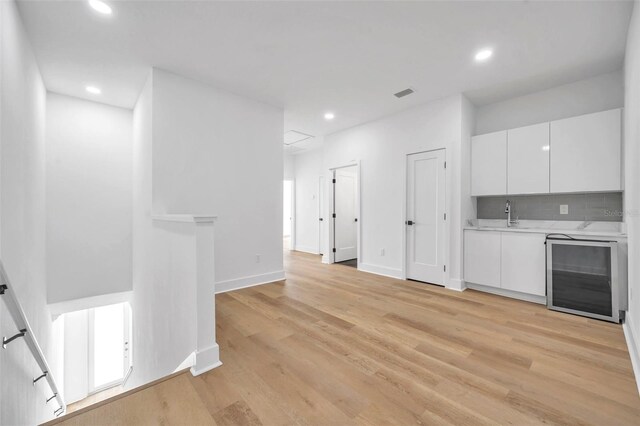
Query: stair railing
x=25, y=332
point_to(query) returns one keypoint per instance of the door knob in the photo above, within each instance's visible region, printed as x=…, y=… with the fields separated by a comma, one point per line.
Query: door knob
x=409, y=222
x=356, y=219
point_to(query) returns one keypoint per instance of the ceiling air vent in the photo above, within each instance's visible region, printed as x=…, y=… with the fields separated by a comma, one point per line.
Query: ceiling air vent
x=293, y=136
x=403, y=93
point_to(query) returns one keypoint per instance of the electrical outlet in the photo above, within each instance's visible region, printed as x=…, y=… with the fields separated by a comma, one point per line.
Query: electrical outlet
x=258, y=258
x=381, y=252
x=564, y=209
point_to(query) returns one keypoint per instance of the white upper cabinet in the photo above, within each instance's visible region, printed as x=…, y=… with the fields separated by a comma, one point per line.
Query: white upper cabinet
x=528, y=160
x=585, y=153
x=489, y=164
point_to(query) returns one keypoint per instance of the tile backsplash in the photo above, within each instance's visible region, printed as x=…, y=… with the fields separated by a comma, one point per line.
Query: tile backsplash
x=605, y=206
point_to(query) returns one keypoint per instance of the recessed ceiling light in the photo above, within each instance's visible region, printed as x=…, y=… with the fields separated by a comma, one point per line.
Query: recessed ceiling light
x=100, y=6
x=93, y=89
x=483, y=55
x=329, y=116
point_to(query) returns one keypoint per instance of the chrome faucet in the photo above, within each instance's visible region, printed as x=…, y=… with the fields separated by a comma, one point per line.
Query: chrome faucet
x=507, y=210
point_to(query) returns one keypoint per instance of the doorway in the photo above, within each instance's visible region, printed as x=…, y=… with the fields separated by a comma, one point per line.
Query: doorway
x=288, y=227
x=95, y=352
x=426, y=217
x=345, y=215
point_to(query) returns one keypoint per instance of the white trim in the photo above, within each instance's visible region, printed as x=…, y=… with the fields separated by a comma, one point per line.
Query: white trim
x=306, y=249
x=60, y=308
x=187, y=218
x=250, y=281
x=206, y=360
x=542, y=300
x=381, y=270
x=634, y=350
x=456, y=285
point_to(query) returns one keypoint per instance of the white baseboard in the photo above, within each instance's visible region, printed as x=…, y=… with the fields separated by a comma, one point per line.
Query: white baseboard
x=306, y=249
x=250, y=281
x=542, y=300
x=206, y=359
x=456, y=285
x=634, y=350
x=380, y=270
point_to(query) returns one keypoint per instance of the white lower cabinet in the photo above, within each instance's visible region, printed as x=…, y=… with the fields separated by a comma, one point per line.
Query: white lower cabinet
x=482, y=257
x=513, y=261
x=523, y=263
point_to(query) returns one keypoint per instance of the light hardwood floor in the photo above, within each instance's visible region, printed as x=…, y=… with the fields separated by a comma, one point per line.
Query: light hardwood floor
x=335, y=346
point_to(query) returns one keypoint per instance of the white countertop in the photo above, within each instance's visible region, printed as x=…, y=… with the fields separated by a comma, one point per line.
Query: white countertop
x=596, y=229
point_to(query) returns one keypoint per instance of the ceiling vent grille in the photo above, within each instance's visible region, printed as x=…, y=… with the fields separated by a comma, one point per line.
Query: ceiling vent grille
x=403, y=93
x=293, y=136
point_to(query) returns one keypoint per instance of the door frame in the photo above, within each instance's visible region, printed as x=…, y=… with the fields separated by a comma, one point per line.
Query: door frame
x=331, y=205
x=447, y=209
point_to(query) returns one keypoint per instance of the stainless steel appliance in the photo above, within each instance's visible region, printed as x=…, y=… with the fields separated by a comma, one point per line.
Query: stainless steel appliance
x=584, y=277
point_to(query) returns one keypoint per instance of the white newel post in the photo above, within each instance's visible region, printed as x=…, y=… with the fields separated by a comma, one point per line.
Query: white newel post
x=207, y=355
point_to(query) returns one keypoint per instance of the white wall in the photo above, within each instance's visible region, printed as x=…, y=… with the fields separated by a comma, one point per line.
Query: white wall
x=382, y=146
x=595, y=94
x=632, y=175
x=468, y=204
x=89, y=198
x=161, y=312
x=308, y=169
x=172, y=263
x=22, y=219
x=219, y=153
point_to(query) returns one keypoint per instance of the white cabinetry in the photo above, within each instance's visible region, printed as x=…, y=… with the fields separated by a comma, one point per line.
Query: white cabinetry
x=482, y=257
x=508, y=260
x=523, y=263
x=489, y=164
x=528, y=160
x=578, y=154
x=585, y=153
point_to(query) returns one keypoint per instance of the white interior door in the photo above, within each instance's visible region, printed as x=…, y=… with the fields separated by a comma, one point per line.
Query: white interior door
x=425, y=222
x=321, y=215
x=345, y=216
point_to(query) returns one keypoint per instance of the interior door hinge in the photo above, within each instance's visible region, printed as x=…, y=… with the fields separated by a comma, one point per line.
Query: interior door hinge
x=334, y=249
x=445, y=164
x=334, y=215
x=334, y=181
x=445, y=216
x=445, y=268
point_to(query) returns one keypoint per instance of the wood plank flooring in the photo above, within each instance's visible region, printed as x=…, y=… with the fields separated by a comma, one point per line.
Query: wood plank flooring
x=335, y=346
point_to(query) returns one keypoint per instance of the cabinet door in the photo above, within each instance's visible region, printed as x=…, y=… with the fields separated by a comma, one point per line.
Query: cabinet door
x=482, y=257
x=528, y=159
x=489, y=164
x=585, y=153
x=523, y=263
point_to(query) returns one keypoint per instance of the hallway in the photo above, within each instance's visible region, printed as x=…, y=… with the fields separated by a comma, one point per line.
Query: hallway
x=332, y=345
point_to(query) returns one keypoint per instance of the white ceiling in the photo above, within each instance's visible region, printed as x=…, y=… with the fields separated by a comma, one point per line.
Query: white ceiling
x=313, y=57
